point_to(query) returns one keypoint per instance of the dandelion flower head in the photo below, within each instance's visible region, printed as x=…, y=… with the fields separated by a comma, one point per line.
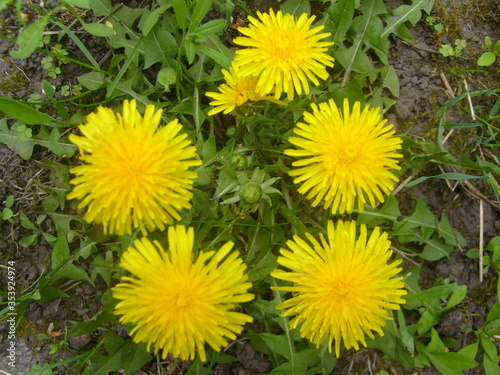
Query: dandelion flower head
x=284, y=52
x=345, y=159
x=236, y=92
x=342, y=287
x=135, y=173
x=180, y=302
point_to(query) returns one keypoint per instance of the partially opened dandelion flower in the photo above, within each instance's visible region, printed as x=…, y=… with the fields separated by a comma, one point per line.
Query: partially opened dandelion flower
x=345, y=159
x=342, y=286
x=236, y=92
x=135, y=173
x=284, y=52
x=180, y=302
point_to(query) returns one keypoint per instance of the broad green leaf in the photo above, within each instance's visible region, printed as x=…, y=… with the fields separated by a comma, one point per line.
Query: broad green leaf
x=27, y=223
x=211, y=27
x=136, y=357
x=152, y=18
x=448, y=234
x=390, y=80
x=486, y=59
x=98, y=29
x=213, y=54
x=436, y=344
x=444, y=176
x=435, y=249
x=159, y=45
x=421, y=219
x=101, y=8
x=451, y=362
x=494, y=313
x=277, y=343
x=426, y=322
x=92, y=80
x=457, y=296
x=166, y=77
x=435, y=293
x=351, y=90
x=296, y=7
x=83, y=4
x=28, y=240
x=189, y=48
x=181, y=13
x=470, y=351
x=406, y=337
x=9, y=202
x=6, y=213
x=209, y=150
x=23, y=112
x=200, y=10
x=489, y=347
x=404, y=13
x=49, y=292
x=29, y=38
x=341, y=13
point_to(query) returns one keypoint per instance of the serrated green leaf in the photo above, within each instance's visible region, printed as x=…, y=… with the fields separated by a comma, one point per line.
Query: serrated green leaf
x=29, y=38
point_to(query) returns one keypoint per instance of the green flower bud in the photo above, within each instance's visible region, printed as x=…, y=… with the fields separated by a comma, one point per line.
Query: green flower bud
x=233, y=131
x=251, y=193
x=241, y=161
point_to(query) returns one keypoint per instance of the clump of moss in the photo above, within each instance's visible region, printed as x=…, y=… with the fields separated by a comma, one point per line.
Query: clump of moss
x=14, y=79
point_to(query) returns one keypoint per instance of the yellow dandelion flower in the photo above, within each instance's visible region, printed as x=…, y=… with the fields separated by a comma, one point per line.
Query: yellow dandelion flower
x=342, y=288
x=179, y=302
x=236, y=92
x=283, y=52
x=135, y=173
x=345, y=158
